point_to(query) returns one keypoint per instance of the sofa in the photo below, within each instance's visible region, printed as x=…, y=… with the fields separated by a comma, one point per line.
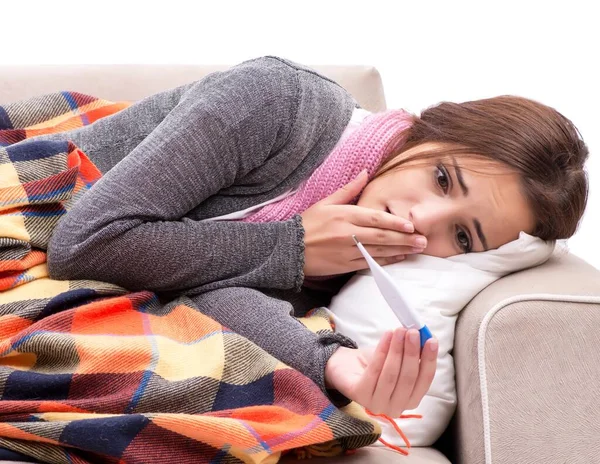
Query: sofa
x=527, y=348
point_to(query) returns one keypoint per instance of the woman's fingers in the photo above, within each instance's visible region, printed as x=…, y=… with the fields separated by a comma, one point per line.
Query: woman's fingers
x=367, y=217
x=397, y=375
x=379, y=240
x=408, y=373
x=388, y=378
x=384, y=234
x=365, y=388
x=426, y=373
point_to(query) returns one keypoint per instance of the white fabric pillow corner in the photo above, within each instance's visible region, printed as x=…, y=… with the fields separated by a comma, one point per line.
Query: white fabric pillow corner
x=438, y=288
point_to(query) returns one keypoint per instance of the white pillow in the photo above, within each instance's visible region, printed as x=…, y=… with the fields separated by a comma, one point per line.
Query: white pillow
x=438, y=288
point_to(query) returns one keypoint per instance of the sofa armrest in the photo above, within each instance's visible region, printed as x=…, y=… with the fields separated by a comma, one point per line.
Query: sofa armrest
x=527, y=357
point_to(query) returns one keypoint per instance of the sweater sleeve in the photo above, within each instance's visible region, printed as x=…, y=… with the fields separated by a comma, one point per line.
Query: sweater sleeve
x=130, y=229
x=267, y=321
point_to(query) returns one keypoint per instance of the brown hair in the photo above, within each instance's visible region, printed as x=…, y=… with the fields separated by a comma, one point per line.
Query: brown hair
x=532, y=139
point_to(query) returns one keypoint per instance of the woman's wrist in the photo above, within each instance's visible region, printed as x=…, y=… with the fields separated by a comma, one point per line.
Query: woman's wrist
x=331, y=367
x=340, y=344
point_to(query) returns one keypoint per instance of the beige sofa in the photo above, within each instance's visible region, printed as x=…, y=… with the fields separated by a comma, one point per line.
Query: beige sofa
x=527, y=348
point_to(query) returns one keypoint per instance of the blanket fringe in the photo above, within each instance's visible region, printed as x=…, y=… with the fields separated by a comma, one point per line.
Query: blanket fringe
x=397, y=429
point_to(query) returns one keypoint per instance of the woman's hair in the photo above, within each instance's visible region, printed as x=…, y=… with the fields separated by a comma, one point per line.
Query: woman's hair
x=534, y=140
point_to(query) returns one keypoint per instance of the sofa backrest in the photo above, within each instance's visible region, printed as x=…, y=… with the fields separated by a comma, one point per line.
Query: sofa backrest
x=133, y=82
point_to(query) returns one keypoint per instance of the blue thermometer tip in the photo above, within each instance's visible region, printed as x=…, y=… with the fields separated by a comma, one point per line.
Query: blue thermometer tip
x=425, y=335
x=387, y=288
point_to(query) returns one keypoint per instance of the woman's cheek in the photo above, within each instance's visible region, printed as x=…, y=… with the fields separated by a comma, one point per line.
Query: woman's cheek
x=439, y=247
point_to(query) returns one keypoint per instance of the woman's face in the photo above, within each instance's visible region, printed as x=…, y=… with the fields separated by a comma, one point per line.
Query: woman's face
x=456, y=209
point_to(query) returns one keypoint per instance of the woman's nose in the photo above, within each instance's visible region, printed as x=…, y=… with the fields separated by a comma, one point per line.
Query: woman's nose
x=426, y=217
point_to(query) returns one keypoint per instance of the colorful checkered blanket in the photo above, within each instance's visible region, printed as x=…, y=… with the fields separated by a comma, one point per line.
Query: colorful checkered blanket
x=92, y=373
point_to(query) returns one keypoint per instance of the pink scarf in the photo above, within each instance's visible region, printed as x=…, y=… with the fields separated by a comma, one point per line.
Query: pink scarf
x=377, y=136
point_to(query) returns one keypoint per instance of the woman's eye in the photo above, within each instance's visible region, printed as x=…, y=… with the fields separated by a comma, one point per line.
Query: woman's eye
x=442, y=178
x=463, y=240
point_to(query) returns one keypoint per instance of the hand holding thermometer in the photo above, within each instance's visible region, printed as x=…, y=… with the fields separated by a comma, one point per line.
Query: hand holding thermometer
x=391, y=293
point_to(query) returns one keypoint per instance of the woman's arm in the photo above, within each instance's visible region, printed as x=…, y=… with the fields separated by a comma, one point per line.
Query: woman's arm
x=388, y=379
x=128, y=229
x=267, y=322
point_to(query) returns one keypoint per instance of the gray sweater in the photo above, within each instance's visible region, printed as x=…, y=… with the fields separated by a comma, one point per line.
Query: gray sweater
x=229, y=141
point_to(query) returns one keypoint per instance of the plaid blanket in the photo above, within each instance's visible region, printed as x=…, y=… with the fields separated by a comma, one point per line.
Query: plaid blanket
x=90, y=372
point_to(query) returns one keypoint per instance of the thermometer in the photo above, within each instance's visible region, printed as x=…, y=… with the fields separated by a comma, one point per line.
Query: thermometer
x=391, y=293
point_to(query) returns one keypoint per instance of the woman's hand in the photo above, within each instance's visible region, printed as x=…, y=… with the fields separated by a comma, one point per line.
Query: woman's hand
x=330, y=223
x=388, y=379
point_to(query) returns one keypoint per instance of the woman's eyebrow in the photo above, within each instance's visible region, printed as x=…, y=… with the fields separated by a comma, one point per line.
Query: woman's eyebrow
x=480, y=234
x=461, y=179
x=465, y=190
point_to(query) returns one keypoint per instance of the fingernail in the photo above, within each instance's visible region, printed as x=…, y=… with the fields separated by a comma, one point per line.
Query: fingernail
x=421, y=242
x=409, y=228
x=433, y=344
x=359, y=176
x=417, y=249
x=400, y=258
x=413, y=336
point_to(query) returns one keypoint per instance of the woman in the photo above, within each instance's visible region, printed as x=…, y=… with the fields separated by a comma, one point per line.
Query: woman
x=235, y=190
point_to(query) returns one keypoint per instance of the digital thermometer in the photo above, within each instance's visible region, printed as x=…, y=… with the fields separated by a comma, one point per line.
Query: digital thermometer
x=392, y=295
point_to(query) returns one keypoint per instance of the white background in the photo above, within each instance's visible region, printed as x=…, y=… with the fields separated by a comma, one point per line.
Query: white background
x=426, y=52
